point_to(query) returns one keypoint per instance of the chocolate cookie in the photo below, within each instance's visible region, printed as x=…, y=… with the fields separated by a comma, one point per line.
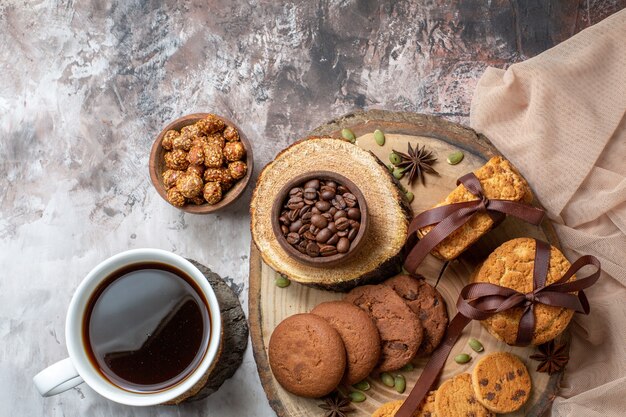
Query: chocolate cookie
x=501, y=382
x=359, y=334
x=307, y=355
x=428, y=304
x=400, y=329
x=456, y=398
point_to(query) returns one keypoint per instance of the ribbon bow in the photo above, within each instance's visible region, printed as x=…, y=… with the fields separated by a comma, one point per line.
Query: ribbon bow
x=450, y=217
x=479, y=301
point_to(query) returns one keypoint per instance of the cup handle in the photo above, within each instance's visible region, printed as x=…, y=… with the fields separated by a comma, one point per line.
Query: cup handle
x=57, y=378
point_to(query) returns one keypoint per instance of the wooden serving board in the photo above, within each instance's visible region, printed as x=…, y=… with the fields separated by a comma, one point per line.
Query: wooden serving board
x=269, y=305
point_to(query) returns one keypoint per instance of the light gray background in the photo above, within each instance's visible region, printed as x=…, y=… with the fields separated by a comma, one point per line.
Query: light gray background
x=84, y=88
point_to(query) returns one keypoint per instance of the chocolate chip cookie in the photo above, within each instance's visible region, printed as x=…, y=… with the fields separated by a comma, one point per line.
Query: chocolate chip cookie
x=428, y=304
x=359, y=334
x=307, y=355
x=456, y=398
x=501, y=382
x=399, y=327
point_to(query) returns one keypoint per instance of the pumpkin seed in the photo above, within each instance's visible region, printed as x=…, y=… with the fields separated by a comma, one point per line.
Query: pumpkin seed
x=398, y=173
x=410, y=196
x=363, y=385
x=476, y=345
x=394, y=158
x=399, y=383
x=462, y=358
x=357, y=396
x=379, y=137
x=348, y=135
x=390, y=167
x=282, y=282
x=455, y=157
x=409, y=366
x=387, y=379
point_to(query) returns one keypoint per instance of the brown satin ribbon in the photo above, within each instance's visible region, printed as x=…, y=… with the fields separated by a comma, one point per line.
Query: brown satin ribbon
x=450, y=217
x=479, y=301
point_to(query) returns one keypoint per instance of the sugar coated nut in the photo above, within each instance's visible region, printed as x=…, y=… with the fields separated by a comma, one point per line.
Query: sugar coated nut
x=182, y=142
x=190, y=131
x=175, y=197
x=212, y=192
x=196, y=169
x=234, y=151
x=215, y=139
x=170, y=176
x=231, y=134
x=196, y=155
x=237, y=169
x=213, y=124
x=169, y=136
x=203, y=126
x=177, y=159
x=198, y=201
x=213, y=156
x=189, y=185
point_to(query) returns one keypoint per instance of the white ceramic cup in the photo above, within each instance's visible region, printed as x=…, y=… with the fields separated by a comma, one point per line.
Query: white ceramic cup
x=77, y=369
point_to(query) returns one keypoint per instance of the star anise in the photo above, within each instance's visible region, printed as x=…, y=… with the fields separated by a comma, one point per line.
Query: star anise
x=552, y=357
x=336, y=406
x=417, y=162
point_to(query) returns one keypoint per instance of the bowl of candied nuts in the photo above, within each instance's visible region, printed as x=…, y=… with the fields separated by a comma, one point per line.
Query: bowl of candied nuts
x=201, y=163
x=320, y=218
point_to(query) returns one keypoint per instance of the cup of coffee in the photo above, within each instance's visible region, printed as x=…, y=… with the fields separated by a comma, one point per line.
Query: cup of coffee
x=143, y=328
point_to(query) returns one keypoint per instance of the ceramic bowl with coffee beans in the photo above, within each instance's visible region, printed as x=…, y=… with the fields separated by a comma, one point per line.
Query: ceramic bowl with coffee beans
x=201, y=163
x=320, y=218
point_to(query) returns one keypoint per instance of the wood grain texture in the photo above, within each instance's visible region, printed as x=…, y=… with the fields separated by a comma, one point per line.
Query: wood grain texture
x=269, y=304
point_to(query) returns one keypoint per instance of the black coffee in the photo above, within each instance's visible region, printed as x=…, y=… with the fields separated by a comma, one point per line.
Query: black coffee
x=146, y=327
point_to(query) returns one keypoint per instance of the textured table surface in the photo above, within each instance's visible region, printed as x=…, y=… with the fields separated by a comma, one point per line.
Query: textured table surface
x=85, y=88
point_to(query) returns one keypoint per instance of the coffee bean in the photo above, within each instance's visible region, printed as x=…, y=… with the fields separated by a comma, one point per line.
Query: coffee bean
x=339, y=214
x=328, y=250
x=310, y=194
x=342, y=223
x=350, y=199
x=338, y=202
x=293, y=238
x=312, y=250
x=327, y=195
x=354, y=213
x=315, y=184
x=343, y=246
x=319, y=221
x=333, y=240
x=322, y=205
x=295, y=226
x=321, y=218
x=323, y=235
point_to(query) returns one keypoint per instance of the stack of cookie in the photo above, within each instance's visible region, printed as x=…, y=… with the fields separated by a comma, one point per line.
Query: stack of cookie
x=499, y=383
x=380, y=327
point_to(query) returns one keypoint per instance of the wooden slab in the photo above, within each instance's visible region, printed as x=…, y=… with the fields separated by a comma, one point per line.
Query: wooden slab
x=269, y=305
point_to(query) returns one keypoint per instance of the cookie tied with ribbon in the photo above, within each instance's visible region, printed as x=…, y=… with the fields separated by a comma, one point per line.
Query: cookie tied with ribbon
x=551, y=283
x=481, y=200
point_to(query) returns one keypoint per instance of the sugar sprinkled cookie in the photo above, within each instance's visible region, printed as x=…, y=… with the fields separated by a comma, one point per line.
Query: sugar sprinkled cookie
x=428, y=304
x=359, y=335
x=426, y=409
x=307, y=355
x=399, y=327
x=501, y=382
x=456, y=398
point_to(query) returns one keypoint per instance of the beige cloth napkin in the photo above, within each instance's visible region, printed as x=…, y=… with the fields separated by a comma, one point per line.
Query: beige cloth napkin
x=560, y=118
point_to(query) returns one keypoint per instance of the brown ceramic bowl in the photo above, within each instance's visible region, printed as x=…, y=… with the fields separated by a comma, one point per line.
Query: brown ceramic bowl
x=319, y=261
x=157, y=166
